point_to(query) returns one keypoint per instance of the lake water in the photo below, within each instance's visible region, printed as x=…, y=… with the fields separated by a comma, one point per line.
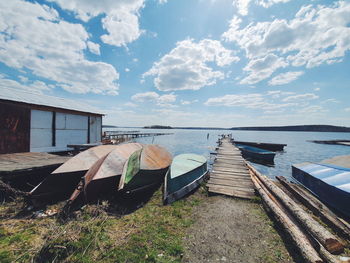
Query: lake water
x=298, y=148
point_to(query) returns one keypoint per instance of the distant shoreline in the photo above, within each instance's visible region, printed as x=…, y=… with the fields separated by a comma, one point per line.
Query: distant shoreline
x=298, y=128
x=294, y=128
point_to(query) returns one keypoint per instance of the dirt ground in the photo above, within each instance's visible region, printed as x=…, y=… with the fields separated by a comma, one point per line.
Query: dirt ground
x=233, y=230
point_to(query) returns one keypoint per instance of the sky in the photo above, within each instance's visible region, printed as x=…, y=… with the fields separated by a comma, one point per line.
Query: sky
x=203, y=63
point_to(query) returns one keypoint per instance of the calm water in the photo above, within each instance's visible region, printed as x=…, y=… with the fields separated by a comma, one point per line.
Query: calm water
x=298, y=148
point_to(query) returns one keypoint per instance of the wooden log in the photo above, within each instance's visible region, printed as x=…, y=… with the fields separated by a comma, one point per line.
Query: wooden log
x=9, y=191
x=328, y=217
x=326, y=238
x=300, y=240
x=326, y=256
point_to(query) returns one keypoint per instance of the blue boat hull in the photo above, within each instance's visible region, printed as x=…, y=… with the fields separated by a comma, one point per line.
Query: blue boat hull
x=266, y=146
x=317, y=178
x=180, y=186
x=256, y=153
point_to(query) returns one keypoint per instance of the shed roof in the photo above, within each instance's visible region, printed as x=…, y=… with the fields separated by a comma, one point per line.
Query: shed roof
x=27, y=97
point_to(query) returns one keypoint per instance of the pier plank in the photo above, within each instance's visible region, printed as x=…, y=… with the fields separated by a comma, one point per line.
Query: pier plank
x=230, y=191
x=230, y=175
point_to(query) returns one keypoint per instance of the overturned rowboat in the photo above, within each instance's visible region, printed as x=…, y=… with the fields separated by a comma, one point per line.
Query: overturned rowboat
x=330, y=183
x=62, y=181
x=145, y=168
x=185, y=174
x=104, y=174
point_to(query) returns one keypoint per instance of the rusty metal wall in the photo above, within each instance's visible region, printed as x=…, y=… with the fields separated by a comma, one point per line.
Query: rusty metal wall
x=14, y=128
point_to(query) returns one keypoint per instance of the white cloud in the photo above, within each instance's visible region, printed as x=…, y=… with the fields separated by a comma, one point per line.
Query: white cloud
x=188, y=102
x=34, y=37
x=268, y=3
x=312, y=109
x=285, y=78
x=130, y=104
x=160, y=100
x=262, y=68
x=347, y=109
x=93, y=47
x=317, y=89
x=122, y=27
x=185, y=67
x=258, y=101
x=127, y=69
x=23, y=79
x=34, y=87
x=243, y=5
x=275, y=94
x=315, y=36
x=330, y=101
x=120, y=21
x=167, y=98
x=301, y=97
x=245, y=100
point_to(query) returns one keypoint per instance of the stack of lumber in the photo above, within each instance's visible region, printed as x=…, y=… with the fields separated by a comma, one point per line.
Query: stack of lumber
x=230, y=175
x=316, y=243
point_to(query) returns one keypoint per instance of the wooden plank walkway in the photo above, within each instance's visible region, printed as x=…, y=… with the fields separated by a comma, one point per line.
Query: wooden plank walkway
x=15, y=164
x=230, y=175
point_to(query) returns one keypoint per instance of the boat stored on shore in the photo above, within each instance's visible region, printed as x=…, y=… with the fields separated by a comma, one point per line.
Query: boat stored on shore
x=255, y=153
x=330, y=183
x=145, y=167
x=185, y=174
x=62, y=181
x=266, y=146
x=105, y=174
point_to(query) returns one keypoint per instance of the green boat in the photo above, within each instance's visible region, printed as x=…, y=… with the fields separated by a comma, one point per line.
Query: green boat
x=145, y=168
x=186, y=173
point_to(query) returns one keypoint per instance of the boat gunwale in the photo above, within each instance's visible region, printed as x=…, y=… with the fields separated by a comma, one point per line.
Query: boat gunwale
x=263, y=151
x=183, y=189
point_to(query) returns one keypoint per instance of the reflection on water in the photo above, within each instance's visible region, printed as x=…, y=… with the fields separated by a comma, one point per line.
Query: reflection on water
x=298, y=148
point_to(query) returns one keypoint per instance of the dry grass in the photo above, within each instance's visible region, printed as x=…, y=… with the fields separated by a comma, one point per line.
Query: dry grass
x=97, y=233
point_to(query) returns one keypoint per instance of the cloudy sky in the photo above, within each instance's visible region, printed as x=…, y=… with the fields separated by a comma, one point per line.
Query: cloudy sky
x=184, y=62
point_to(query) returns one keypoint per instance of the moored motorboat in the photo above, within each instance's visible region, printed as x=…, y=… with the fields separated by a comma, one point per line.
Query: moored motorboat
x=62, y=181
x=330, y=183
x=105, y=174
x=256, y=153
x=185, y=174
x=263, y=145
x=145, y=167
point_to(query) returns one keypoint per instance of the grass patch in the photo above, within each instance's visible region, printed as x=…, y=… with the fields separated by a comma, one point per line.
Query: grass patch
x=152, y=233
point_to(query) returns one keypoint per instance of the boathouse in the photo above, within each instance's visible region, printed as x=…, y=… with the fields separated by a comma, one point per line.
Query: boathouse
x=39, y=123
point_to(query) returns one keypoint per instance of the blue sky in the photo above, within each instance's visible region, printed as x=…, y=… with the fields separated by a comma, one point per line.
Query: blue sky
x=216, y=63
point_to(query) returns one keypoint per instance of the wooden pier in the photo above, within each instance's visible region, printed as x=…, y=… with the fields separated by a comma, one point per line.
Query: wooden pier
x=230, y=174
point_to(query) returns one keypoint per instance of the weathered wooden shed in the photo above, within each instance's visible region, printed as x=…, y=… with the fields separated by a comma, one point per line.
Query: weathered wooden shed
x=39, y=123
